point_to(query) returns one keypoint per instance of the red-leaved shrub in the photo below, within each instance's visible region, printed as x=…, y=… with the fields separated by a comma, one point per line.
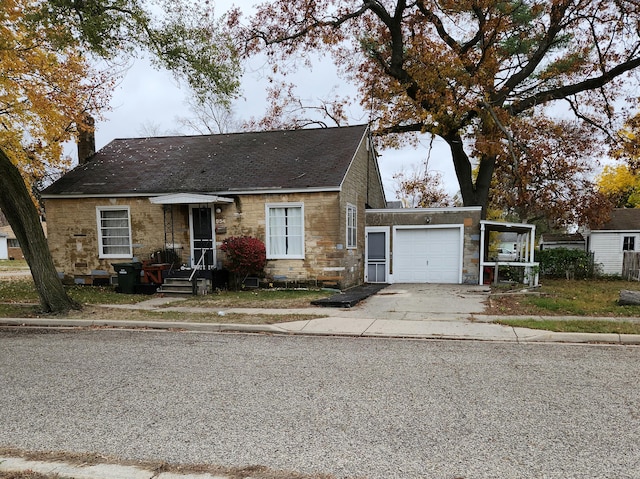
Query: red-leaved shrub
x=245, y=256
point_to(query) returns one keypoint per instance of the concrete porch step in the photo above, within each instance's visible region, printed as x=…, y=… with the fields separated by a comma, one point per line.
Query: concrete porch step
x=181, y=286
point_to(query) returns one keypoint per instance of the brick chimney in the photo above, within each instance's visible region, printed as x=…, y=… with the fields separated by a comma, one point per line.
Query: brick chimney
x=86, y=139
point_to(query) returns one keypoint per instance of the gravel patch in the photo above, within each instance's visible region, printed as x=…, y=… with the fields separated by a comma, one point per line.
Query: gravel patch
x=348, y=407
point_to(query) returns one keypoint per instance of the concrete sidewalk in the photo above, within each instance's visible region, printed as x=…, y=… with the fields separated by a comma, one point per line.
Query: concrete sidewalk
x=398, y=311
x=60, y=469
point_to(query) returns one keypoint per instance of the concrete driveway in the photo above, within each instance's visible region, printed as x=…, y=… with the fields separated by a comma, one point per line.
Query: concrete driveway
x=423, y=301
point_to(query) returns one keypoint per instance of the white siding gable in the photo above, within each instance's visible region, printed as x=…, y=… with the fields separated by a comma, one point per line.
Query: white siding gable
x=607, y=249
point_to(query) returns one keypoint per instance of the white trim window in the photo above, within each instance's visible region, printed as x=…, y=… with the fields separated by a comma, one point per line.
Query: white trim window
x=285, y=230
x=352, y=226
x=114, y=232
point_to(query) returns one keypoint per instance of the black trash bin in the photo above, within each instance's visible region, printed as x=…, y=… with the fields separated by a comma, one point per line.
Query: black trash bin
x=128, y=276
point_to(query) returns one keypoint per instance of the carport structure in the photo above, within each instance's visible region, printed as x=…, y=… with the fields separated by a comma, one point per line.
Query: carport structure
x=525, y=245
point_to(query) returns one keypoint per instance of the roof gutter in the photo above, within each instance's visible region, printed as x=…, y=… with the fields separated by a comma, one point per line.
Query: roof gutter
x=134, y=194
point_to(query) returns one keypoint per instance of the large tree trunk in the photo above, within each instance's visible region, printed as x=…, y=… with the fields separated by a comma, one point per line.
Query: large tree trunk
x=18, y=207
x=473, y=194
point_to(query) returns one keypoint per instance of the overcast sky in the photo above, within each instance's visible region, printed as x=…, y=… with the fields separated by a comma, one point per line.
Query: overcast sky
x=150, y=98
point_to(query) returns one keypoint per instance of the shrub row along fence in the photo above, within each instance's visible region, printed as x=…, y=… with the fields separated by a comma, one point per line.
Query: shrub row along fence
x=566, y=263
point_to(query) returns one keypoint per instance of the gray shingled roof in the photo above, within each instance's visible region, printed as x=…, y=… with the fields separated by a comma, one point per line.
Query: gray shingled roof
x=296, y=159
x=562, y=238
x=622, y=219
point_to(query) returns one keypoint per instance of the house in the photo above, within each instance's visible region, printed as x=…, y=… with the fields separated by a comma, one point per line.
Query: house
x=313, y=196
x=303, y=192
x=618, y=235
x=9, y=246
x=562, y=240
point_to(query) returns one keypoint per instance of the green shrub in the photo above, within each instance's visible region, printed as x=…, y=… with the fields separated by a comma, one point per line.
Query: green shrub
x=566, y=263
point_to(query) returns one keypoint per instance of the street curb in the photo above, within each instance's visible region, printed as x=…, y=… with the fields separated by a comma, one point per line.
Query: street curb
x=521, y=335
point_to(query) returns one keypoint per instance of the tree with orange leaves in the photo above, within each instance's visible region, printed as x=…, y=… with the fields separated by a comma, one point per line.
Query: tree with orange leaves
x=47, y=85
x=621, y=183
x=548, y=178
x=475, y=73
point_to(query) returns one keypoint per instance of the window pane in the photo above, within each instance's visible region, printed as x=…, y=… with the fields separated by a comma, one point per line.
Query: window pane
x=628, y=243
x=114, y=232
x=351, y=227
x=285, y=230
x=377, y=246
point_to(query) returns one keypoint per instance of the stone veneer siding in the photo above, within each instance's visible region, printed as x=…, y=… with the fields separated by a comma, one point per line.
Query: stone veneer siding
x=73, y=234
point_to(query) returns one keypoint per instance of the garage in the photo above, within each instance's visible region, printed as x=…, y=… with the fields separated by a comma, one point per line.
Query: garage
x=427, y=254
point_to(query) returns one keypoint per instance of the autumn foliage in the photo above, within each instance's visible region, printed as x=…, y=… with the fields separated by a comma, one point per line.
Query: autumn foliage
x=48, y=83
x=245, y=256
x=480, y=74
x=620, y=183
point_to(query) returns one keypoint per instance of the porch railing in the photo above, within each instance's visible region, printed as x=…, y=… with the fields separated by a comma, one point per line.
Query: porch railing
x=201, y=260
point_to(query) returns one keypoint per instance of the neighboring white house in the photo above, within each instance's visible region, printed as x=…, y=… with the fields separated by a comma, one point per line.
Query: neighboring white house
x=566, y=241
x=4, y=249
x=609, y=242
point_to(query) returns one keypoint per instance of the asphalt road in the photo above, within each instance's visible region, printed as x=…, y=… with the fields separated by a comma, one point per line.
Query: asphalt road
x=349, y=407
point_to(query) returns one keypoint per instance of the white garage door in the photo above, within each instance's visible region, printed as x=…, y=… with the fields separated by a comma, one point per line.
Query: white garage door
x=427, y=255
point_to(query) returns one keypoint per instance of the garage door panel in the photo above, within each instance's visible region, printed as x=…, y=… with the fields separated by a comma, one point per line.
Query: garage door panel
x=427, y=255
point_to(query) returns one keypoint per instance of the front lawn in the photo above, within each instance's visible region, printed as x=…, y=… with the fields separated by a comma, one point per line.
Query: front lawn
x=575, y=326
x=23, y=290
x=259, y=298
x=19, y=299
x=556, y=297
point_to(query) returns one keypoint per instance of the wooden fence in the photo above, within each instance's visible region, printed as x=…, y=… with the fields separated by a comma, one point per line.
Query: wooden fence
x=631, y=266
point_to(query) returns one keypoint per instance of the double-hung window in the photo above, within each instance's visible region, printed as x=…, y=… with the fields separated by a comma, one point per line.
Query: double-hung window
x=114, y=232
x=285, y=230
x=628, y=243
x=352, y=226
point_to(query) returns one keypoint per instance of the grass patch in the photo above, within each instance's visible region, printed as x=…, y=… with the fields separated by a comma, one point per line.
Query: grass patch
x=14, y=310
x=575, y=326
x=29, y=475
x=98, y=313
x=13, y=265
x=19, y=299
x=18, y=291
x=557, y=297
x=23, y=290
x=103, y=295
x=261, y=298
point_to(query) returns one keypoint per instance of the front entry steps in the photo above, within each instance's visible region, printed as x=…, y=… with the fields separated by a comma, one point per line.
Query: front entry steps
x=183, y=287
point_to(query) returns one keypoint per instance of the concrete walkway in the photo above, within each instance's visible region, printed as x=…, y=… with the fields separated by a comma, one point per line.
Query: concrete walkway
x=398, y=311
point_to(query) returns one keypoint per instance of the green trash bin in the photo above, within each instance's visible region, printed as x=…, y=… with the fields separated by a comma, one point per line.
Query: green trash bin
x=128, y=276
